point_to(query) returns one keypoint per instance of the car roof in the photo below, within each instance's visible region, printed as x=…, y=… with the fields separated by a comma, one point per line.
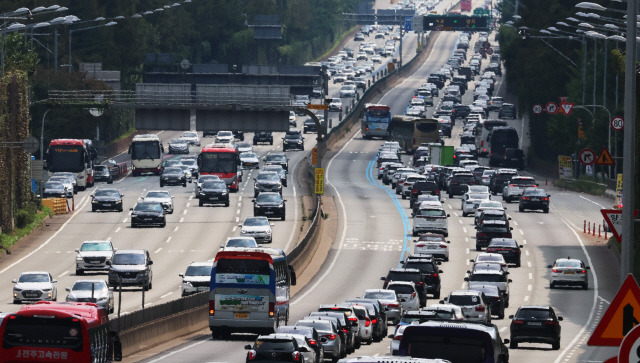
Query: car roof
x=407, y=270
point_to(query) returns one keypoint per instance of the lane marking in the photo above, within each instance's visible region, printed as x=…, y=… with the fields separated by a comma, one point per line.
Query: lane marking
x=158, y=250
x=168, y=239
x=165, y=295
x=117, y=230
x=62, y=274
x=176, y=229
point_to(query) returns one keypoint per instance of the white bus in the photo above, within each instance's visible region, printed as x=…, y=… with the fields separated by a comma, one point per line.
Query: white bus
x=146, y=154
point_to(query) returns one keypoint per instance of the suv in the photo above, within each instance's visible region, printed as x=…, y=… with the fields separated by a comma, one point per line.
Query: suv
x=267, y=181
x=459, y=184
x=423, y=187
x=508, y=111
x=276, y=347
x=474, y=304
x=494, y=296
x=293, y=140
x=430, y=218
x=489, y=229
x=309, y=125
x=263, y=136
x=351, y=320
x=513, y=158
x=513, y=189
x=376, y=313
x=430, y=274
x=278, y=159
x=269, y=204
x=408, y=274
x=94, y=256
x=498, y=179
x=131, y=268
x=490, y=277
x=538, y=324
x=197, y=278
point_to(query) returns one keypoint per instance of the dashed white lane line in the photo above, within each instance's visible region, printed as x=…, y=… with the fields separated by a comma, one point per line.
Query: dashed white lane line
x=237, y=219
x=109, y=238
x=125, y=220
x=168, y=239
x=117, y=230
x=515, y=223
x=526, y=252
x=176, y=229
x=184, y=211
x=158, y=250
x=460, y=220
x=234, y=228
x=464, y=229
x=526, y=298
x=503, y=329
x=524, y=241
x=166, y=295
x=462, y=286
x=181, y=220
x=529, y=287
x=238, y=211
x=530, y=276
x=188, y=205
x=528, y=263
x=521, y=231
x=62, y=274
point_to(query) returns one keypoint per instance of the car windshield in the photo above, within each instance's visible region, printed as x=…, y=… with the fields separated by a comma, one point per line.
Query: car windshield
x=148, y=207
x=100, y=168
x=214, y=185
x=173, y=170
x=401, y=289
x=189, y=162
x=432, y=213
x=224, y=134
x=292, y=137
x=204, y=178
x=491, y=205
x=535, y=192
x=320, y=325
x=107, y=193
x=158, y=195
x=574, y=264
x=487, y=277
x=178, y=141
x=243, y=145
x=128, y=259
x=268, y=177
x=463, y=300
x=490, y=258
x=424, y=267
x=88, y=285
x=34, y=278
x=533, y=314
x=479, y=196
x=241, y=242
x=198, y=271
x=269, y=198
x=522, y=182
x=248, y=156
x=252, y=222
x=383, y=295
x=96, y=246
x=276, y=157
x=190, y=134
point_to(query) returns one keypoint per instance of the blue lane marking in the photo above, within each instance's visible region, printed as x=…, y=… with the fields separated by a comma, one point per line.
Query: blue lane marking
x=403, y=215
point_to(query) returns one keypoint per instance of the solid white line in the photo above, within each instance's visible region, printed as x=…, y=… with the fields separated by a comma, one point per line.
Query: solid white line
x=165, y=295
x=188, y=347
x=158, y=250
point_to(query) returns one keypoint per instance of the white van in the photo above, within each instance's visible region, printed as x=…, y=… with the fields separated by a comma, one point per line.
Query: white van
x=430, y=218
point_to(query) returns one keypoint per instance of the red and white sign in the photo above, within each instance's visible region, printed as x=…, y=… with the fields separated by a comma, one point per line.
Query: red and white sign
x=587, y=156
x=551, y=108
x=566, y=108
x=563, y=99
x=489, y=51
x=620, y=318
x=630, y=347
x=617, y=123
x=537, y=109
x=613, y=217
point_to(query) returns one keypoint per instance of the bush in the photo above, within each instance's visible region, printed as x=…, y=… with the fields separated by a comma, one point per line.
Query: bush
x=583, y=184
x=24, y=218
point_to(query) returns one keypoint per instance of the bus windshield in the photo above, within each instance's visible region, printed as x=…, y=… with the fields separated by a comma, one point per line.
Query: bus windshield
x=66, y=158
x=218, y=162
x=242, y=271
x=145, y=150
x=43, y=332
x=376, y=113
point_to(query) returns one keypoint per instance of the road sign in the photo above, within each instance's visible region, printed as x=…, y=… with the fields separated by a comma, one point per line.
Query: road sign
x=314, y=156
x=613, y=217
x=563, y=99
x=565, y=167
x=587, y=156
x=551, y=108
x=408, y=23
x=489, y=51
x=566, y=108
x=317, y=107
x=630, y=347
x=319, y=180
x=30, y=144
x=621, y=316
x=455, y=22
x=537, y=109
x=605, y=158
x=617, y=123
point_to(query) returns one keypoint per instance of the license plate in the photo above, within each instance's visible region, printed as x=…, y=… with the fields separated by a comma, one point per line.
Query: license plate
x=242, y=315
x=534, y=323
x=569, y=273
x=31, y=295
x=203, y=288
x=535, y=199
x=96, y=261
x=213, y=198
x=268, y=212
x=378, y=129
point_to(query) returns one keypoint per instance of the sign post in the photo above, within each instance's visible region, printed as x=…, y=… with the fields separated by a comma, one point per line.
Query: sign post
x=619, y=191
x=319, y=185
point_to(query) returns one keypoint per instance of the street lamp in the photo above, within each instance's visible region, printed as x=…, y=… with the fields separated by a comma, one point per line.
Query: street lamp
x=595, y=36
x=71, y=31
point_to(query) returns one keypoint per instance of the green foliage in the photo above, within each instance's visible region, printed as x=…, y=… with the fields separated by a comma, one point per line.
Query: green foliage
x=36, y=219
x=18, y=57
x=584, y=184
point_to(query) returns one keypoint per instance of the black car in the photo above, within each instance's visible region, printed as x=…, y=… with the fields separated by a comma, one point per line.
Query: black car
x=238, y=135
x=267, y=181
x=270, y=205
x=408, y=274
x=106, y=199
x=534, y=198
x=178, y=146
x=423, y=187
x=430, y=274
x=492, y=214
x=263, y=136
x=497, y=181
x=460, y=112
x=309, y=125
x=537, y=324
x=507, y=111
x=101, y=173
x=508, y=248
x=148, y=214
x=459, y=184
x=275, y=348
x=494, y=297
x=490, y=229
x=277, y=159
x=173, y=176
x=513, y=158
x=213, y=192
x=311, y=335
x=293, y=140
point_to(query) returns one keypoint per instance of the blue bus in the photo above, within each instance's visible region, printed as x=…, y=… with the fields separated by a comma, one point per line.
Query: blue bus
x=375, y=121
x=249, y=291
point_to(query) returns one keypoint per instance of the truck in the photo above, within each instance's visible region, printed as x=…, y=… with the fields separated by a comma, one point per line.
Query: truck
x=440, y=154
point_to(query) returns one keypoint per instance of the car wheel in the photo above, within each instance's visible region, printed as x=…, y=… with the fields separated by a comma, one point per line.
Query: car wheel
x=478, y=248
x=93, y=209
x=146, y=287
x=79, y=272
x=404, y=196
x=546, y=210
x=226, y=204
x=163, y=224
x=184, y=183
x=450, y=195
x=16, y=301
x=200, y=203
x=513, y=345
x=282, y=217
x=555, y=346
x=585, y=286
x=464, y=214
x=120, y=209
x=161, y=184
x=501, y=315
x=255, y=143
x=111, y=310
x=518, y=263
x=552, y=285
x=436, y=295
x=133, y=225
x=520, y=209
x=110, y=181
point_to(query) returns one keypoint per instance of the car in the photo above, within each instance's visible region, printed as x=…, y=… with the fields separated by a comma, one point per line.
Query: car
x=494, y=296
x=487, y=257
x=69, y=175
x=365, y=321
x=376, y=314
x=430, y=274
x=408, y=182
x=203, y=178
x=66, y=182
x=263, y=137
x=173, y=175
x=258, y=228
x=279, y=170
x=270, y=205
x=513, y=158
x=493, y=214
x=197, y=278
x=193, y=166
x=423, y=187
x=490, y=277
x=93, y=256
x=277, y=347
x=485, y=179
x=345, y=318
x=293, y=140
x=34, y=286
x=160, y=196
x=507, y=111
x=406, y=293
x=432, y=244
x=249, y=160
x=471, y=201
x=514, y=188
x=186, y=170
x=213, y=192
x=148, y=213
x=474, y=304
x=243, y=147
x=131, y=268
x=501, y=176
x=240, y=242
x=439, y=312
x=490, y=229
x=345, y=335
x=348, y=91
x=94, y=291
x=309, y=125
x=459, y=182
x=533, y=199
x=178, y=145
x=569, y=272
x=267, y=181
x=101, y=173
x=508, y=248
x=329, y=336
x=430, y=218
x=106, y=199
x=408, y=274
x=191, y=137
x=335, y=105
x=311, y=335
x=389, y=301
x=535, y=323
x=277, y=159
x=224, y=137
x=489, y=205
x=292, y=119
x=425, y=200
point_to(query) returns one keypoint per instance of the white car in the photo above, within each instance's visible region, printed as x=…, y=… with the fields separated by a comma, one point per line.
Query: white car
x=224, y=137
x=67, y=182
x=397, y=337
x=473, y=304
x=432, y=244
x=406, y=293
x=389, y=300
x=239, y=242
x=335, y=105
x=430, y=219
x=487, y=205
x=348, y=91
x=258, y=228
x=70, y=175
x=160, y=196
x=197, y=278
x=193, y=166
x=490, y=258
x=471, y=201
x=249, y=160
x=516, y=186
x=92, y=290
x=569, y=271
x=415, y=111
x=34, y=286
x=191, y=137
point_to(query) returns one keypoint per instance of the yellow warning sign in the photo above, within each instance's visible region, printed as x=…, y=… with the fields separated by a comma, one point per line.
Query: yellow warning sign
x=314, y=156
x=604, y=158
x=320, y=181
x=622, y=315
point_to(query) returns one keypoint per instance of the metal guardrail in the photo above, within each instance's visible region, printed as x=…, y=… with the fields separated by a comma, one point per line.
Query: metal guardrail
x=293, y=255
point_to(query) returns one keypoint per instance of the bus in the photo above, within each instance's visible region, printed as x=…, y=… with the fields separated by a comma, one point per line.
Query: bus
x=71, y=155
x=411, y=132
x=50, y=331
x=249, y=291
x=465, y=5
x=375, y=121
x=221, y=160
x=146, y=154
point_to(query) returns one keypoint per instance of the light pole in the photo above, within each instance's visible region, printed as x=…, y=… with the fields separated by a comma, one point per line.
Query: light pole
x=595, y=36
x=584, y=57
x=71, y=31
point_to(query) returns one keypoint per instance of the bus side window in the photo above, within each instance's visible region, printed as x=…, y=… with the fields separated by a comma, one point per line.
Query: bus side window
x=130, y=146
x=292, y=273
x=162, y=148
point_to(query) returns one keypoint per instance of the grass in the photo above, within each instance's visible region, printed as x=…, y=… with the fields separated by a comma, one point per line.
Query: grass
x=9, y=239
x=335, y=45
x=583, y=184
x=124, y=136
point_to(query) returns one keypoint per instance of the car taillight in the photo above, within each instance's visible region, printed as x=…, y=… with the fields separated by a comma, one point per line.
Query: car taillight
x=420, y=245
x=367, y=322
x=443, y=246
x=251, y=355
x=551, y=323
x=420, y=283
x=296, y=356
x=555, y=270
x=517, y=322
x=508, y=234
x=345, y=330
x=480, y=308
x=583, y=272
x=413, y=294
x=414, y=191
x=481, y=234
x=455, y=156
x=330, y=336
x=312, y=342
x=353, y=319
x=545, y=198
x=511, y=185
x=272, y=309
x=212, y=307
x=392, y=305
x=374, y=321
x=491, y=249
x=397, y=337
x=525, y=198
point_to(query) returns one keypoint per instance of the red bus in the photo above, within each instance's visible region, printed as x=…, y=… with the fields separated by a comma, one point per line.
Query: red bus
x=58, y=332
x=221, y=160
x=465, y=5
x=71, y=155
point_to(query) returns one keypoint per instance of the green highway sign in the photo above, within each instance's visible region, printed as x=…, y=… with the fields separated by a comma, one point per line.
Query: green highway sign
x=455, y=22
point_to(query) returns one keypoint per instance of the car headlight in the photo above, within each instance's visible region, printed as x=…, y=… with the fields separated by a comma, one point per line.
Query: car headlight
x=94, y=202
x=104, y=298
x=279, y=185
x=201, y=192
x=268, y=231
x=223, y=193
x=78, y=258
x=165, y=177
x=187, y=284
x=281, y=205
x=258, y=206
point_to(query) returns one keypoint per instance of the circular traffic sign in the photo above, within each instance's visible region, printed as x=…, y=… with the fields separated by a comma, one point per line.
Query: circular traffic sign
x=537, y=109
x=489, y=51
x=617, y=123
x=630, y=347
x=30, y=144
x=587, y=157
x=551, y=107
